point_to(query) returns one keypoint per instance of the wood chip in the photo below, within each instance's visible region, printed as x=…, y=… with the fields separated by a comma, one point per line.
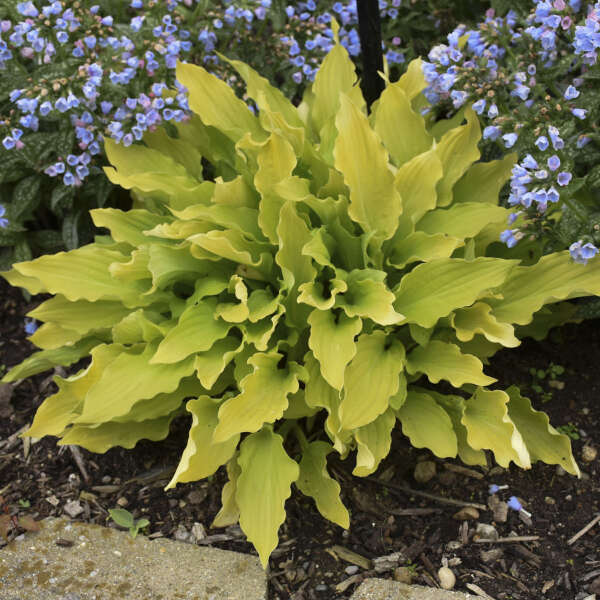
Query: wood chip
x=342, y=586
x=349, y=556
x=463, y=471
x=478, y=591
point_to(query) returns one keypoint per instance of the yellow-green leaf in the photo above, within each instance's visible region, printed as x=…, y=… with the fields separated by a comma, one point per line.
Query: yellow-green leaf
x=373, y=441
x=463, y=220
x=211, y=363
x=216, y=104
x=457, y=150
x=484, y=180
x=101, y=438
x=196, y=331
x=332, y=340
x=371, y=379
x=315, y=481
x=440, y=360
x=128, y=379
x=374, y=201
x=263, y=397
x=229, y=512
x=478, y=319
x=202, y=456
x=433, y=290
x=427, y=424
x=553, y=278
x=267, y=473
x=490, y=427
x=542, y=440
x=420, y=246
x=128, y=226
x=401, y=129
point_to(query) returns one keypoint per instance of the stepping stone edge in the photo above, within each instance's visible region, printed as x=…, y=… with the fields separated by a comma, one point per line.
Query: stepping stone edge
x=385, y=589
x=106, y=564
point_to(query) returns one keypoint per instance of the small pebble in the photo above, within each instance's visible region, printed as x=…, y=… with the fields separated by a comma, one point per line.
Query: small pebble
x=560, y=471
x=467, y=513
x=588, y=453
x=447, y=578
x=424, y=471
x=106, y=479
x=486, y=532
x=321, y=588
x=198, y=532
x=403, y=575
x=351, y=570
x=122, y=501
x=73, y=508
x=490, y=556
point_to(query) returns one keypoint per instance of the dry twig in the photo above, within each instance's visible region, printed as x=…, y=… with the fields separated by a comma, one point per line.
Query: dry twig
x=583, y=531
x=509, y=539
x=79, y=462
x=442, y=499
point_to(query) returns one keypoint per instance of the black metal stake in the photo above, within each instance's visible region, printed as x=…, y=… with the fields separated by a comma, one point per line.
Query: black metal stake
x=369, y=31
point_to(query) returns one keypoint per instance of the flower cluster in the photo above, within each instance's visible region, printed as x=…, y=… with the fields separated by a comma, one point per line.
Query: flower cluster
x=527, y=82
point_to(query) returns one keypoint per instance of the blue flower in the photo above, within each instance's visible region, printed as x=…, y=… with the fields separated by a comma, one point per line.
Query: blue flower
x=491, y=132
x=493, y=111
x=3, y=221
x=581, y=252
x=510, y=139
x=580, y=113
x=553, y=162
x=510, y=237
x=571, y=93
x=564, y=178
x=542, y=143
x=30, y=326
x=479, y=106
x=529, y=162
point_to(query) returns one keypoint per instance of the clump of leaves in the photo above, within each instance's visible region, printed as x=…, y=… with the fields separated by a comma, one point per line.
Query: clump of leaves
x=306, y=276
x=123, y=518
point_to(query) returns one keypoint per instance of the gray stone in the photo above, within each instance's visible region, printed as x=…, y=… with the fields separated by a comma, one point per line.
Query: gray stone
x=106, y=564
x=385, y=589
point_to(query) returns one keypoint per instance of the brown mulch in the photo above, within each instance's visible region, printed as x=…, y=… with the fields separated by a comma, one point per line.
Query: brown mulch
x=315, y=558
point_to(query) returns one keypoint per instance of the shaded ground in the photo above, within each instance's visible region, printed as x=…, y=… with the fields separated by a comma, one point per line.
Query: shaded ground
x=40, y=479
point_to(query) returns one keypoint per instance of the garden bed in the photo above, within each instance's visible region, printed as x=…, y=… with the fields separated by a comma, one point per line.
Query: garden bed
x=312, y=561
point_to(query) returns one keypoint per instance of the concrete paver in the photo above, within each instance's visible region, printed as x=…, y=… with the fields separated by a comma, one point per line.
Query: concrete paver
x=105, y=564
x=385, y=589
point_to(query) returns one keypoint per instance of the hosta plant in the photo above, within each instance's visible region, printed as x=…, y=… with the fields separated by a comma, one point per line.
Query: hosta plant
x=298, y=280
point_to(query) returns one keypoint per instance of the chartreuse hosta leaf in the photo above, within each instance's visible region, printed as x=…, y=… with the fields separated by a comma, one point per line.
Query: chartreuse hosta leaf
x=229, y=513
x=457, y=149
x=59, y=410
x=440, y=360
x=315, y=481
x=263, y=398
x=299, y=272
x=107, y=435
x=372, y=373
x=455, y=408
x=427, y=424
x=373, y=442
x=401, y=129
x=433, y=290
x=543, y=442
x=483, y=181
x=264, y=484
x=332, y=340
x=375, y=204
x=477, y=319
x=202, y=456
x=553, y=278
x=490, y=427
x=216, y=103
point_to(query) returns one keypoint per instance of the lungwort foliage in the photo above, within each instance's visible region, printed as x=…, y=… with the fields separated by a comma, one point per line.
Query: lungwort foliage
x=297, y=280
